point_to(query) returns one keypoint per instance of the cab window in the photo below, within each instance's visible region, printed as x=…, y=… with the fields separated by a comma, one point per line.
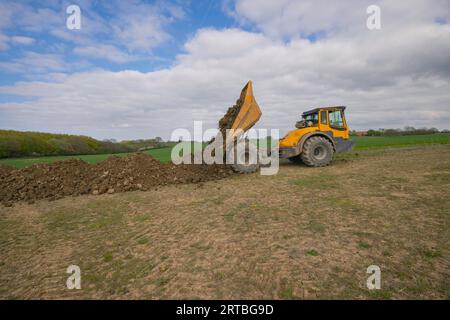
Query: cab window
x=323, y=117
x=336, y=119
x=313, y=117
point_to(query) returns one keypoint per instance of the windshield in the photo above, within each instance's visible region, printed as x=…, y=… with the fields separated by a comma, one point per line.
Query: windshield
x=336, y=119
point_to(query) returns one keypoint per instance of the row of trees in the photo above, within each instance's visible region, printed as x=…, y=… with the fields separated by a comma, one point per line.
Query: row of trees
x=24, y=144
x=144, y=144
x=401, y=132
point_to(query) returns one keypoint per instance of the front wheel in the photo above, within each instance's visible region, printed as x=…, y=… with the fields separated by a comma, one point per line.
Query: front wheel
x=317, y=152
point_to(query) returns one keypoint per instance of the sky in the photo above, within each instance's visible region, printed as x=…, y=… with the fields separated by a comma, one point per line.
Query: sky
x=139, y=69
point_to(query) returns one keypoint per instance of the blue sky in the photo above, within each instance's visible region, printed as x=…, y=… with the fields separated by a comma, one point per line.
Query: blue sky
x=139, y=69
x=191, y=16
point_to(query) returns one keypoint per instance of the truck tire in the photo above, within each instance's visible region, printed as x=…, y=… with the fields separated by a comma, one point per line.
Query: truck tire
x=317, y=152
x=296, y=159
x=244, y=167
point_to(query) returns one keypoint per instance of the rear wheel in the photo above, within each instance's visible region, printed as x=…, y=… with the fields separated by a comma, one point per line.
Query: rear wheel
x=317, y=152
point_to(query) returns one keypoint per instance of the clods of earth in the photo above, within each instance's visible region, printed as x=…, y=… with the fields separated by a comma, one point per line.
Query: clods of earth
x=75, y=177
x=230, y=116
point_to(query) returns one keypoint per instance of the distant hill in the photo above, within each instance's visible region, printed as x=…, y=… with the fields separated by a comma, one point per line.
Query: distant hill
x=27, y=144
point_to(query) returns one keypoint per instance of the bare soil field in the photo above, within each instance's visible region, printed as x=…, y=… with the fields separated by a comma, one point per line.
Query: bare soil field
x=305, y=233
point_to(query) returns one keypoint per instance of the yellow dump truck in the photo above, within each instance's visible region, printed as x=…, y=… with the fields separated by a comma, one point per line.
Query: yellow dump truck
x=318, y=135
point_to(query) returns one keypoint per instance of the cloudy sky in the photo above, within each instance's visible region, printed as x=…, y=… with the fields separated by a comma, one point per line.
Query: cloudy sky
x=138, y=69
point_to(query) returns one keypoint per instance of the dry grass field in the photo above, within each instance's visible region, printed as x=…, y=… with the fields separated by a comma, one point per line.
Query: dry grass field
x=305, y=233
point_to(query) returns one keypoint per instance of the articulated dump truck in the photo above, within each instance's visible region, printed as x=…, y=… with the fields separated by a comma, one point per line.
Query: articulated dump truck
x=232, y=128
x=318, y=135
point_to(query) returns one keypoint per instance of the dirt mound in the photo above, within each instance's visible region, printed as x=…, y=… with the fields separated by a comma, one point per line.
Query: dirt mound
x=5, y=169
x=116, y=174
x=40, y=181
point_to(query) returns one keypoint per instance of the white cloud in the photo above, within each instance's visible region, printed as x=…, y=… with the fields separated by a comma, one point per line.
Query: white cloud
x=141, y=26
x=22, y=40
x=104, y=51
x=6, y=12
x=292, y=18
x=33, y=62
x=390, y=78
x=4, y=42
x=5, y=21
x=135, y=25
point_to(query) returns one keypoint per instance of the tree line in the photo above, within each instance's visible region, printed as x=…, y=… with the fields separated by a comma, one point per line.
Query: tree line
x=26, y=144
x=400, y=132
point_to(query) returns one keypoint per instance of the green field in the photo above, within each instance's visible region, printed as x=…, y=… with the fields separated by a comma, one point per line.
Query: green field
x=163, y=154
x=364, y=143
x=160, y=154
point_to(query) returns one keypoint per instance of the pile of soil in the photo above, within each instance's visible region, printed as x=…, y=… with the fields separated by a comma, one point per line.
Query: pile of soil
x=5, y=169
x=116, y=174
